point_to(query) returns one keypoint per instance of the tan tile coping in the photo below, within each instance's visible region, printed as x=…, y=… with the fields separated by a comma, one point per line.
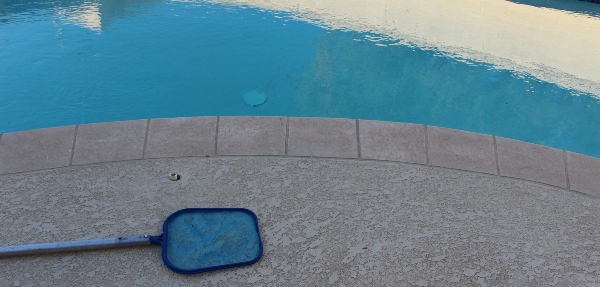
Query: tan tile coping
x=303, y=137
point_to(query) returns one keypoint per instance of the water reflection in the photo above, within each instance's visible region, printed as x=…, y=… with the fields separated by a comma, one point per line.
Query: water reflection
x=577, y=7
x=89, y=14
x=86, y=15
x=351, y=76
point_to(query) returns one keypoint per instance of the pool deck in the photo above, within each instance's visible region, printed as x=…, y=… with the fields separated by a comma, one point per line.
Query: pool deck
x=340, y=202
x=297, y=137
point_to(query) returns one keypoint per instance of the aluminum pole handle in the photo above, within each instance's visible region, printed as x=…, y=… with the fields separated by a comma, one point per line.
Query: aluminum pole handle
x=72, y=246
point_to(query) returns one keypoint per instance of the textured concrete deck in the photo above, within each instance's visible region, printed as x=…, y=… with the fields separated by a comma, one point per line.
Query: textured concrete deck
x=340, y=222
x=340, y=202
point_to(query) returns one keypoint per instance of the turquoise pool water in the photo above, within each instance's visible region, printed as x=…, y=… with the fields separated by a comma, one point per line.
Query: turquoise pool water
x=73, y=62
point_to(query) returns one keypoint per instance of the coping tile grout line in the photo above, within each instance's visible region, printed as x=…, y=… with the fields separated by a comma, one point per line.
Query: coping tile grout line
x=73, y=145
x=566, y=169
x=146, y=139
x=496, y=155
x=287, y=134
x=217, y=135
x=426, y=146
x=358, y=139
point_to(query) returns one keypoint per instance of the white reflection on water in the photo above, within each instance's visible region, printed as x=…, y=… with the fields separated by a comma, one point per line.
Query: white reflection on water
x=554, y=45
x=86, y=15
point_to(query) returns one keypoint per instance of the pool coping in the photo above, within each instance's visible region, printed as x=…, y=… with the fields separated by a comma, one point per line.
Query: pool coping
x=297, y=137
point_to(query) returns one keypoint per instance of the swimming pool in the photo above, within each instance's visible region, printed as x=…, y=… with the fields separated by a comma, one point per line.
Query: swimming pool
x=73, y=62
